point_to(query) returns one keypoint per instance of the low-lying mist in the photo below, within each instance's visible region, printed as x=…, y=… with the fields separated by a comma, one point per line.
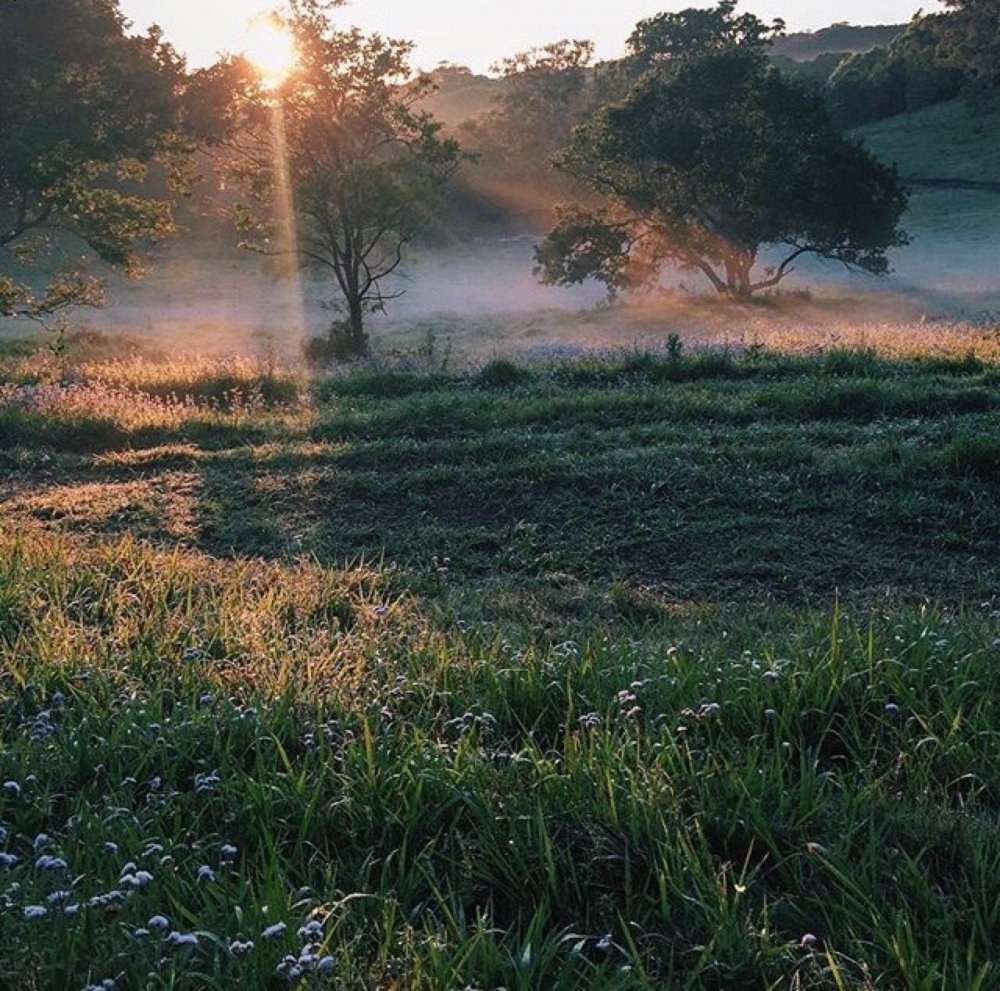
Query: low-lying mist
x=480, y=297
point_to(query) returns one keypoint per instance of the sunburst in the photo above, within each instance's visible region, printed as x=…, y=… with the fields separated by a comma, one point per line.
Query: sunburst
x=269, y=46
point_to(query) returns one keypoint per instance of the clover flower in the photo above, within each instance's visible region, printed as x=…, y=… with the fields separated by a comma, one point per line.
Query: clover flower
x=35, y=911
x=49, y=863
x=273, y=932
x=176, y=938
x=158, y=923
x=310, y=930
x=137, y=880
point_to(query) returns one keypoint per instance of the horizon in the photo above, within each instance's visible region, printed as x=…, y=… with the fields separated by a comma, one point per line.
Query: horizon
x=496, y=31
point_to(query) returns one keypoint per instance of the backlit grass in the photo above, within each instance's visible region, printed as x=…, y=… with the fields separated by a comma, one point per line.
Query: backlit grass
x=653, y=670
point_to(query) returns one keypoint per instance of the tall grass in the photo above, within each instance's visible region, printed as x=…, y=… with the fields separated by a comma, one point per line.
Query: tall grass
x=529, y=676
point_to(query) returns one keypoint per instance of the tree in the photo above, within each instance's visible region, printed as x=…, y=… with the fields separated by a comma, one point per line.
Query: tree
x=904, y=75
x=84, y=111
x=364, y=167
x=712, y=155
x=971, y=38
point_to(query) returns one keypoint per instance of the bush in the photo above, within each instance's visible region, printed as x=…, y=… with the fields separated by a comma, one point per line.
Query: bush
x=501, y=373
x=337, y=345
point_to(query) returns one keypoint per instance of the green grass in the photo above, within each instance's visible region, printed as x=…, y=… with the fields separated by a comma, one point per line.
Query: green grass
x=943, y=141
x=653, y=670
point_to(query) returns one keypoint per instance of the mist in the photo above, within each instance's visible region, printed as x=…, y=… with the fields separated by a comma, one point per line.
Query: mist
x=480, y=296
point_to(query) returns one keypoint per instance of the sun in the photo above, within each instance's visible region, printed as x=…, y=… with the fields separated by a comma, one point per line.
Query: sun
x=270, y=47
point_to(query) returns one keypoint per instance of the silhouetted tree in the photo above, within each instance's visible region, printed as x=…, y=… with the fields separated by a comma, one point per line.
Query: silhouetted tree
x=364, y=166
x=713, y=154
x=84, y=111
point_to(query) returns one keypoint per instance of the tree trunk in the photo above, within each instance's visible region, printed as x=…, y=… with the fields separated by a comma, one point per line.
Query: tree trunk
x=738, y=282
x=356, y=317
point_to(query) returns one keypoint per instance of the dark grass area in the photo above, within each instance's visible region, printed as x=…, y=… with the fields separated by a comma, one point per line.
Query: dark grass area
x=790, y=478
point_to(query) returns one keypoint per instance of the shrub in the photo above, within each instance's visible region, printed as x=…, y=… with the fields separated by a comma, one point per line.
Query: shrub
x=501, y=373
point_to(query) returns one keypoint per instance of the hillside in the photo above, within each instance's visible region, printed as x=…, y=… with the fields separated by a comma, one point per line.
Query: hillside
x=944, y=141
x=461, y=95
x=847, y=38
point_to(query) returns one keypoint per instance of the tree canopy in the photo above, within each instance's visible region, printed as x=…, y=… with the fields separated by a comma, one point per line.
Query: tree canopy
x=85, y=109
x=711, y=156
x=363, y=165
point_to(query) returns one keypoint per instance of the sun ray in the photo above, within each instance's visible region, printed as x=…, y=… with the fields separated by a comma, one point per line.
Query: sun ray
x=270, y=48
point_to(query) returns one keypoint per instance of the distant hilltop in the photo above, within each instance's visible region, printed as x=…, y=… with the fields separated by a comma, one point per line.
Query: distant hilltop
x=848, y=39
x=463, y=95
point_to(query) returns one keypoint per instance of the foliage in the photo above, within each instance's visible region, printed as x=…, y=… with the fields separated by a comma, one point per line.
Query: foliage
x=908, y=74
x=546, y=92
x=84, y=111
x=713, y=154
x=972, y=40
x=363, y=166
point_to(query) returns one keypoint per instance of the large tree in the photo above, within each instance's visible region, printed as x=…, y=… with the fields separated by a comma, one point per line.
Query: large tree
x=713, y=155
x=971, y=37
x=85, y=109
x=362, y=165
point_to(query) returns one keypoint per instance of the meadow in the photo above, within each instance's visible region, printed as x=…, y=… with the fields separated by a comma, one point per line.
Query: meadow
x=669, y=666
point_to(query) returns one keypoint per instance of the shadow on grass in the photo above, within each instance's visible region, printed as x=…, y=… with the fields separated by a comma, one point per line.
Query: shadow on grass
x=638, y=485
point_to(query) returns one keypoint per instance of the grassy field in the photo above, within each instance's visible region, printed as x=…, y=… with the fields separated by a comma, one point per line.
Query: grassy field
x=638, y=670
x=943, y=141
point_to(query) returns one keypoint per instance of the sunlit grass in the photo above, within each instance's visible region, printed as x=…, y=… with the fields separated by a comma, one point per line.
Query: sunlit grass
x=209, y=753
x=664, y=668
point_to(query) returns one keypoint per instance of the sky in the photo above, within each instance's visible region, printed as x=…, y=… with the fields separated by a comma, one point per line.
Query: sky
x=478, y=32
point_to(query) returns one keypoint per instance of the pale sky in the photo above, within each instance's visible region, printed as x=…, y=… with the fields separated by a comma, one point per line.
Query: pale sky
x=478, y=32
